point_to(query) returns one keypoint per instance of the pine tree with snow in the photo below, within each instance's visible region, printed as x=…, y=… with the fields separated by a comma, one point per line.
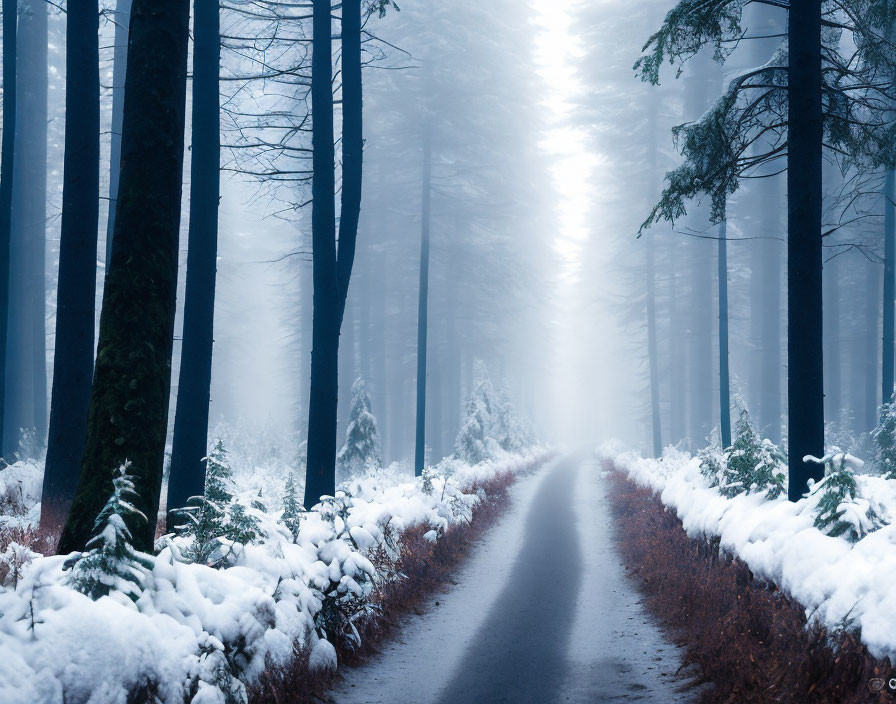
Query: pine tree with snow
x=885, y=440
x=293, y=510
x=477, y=434
x=111, y=562
x=839, y=509
x=362, y=450
x=215, y=515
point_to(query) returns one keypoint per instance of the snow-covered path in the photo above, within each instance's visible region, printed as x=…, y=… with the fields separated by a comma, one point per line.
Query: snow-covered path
x=542, y=612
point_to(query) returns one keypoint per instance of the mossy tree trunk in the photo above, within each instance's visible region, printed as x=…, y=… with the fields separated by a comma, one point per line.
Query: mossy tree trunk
x=128, y=412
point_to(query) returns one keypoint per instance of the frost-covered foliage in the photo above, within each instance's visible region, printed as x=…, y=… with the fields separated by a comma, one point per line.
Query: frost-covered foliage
x=491, y=423
x=839, y=509
x=111, y=563
x=216, y=525
x=839, y=581
x=13, y=561
x=199, y=634
x=751, y=465
x=20, y=489
x=362, y=449
x=885, y=441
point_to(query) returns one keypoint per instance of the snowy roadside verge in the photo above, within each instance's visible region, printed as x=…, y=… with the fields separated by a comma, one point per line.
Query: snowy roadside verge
x=201, y=634
x=841, y=585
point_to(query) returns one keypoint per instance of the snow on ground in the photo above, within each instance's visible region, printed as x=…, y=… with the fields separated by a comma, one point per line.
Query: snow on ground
x=200, y=632
x=841, y=584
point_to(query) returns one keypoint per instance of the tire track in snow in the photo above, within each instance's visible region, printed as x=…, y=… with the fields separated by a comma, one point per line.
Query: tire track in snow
x=519, y=654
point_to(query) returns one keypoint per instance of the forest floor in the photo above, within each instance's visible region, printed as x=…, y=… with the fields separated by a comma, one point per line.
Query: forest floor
x=541, y=612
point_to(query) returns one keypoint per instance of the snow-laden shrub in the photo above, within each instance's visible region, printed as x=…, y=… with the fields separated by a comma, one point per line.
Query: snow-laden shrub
x=216, y=525
x=362, y=449
x=13, y=561
x=885, y=440
x=110, y=562
x=751, y=465
x=839, y=509
x=20, y=487
x=350, y=576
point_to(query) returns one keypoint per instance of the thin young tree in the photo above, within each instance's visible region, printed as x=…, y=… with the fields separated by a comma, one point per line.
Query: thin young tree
x=7, y=150
x=128, y=412
x=423, y=303
x=187, y=476
x=76, y=289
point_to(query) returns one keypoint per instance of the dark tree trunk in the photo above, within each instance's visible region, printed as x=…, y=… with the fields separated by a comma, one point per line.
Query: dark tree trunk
x=724, y=374
x=128, y=414
x=122, y=19
x=889, y=285
x=26, y=366
x=805, y=366
x=76, y=290
x=332, y=272
x=10, y=20
x=190, y=442
x=423, y=304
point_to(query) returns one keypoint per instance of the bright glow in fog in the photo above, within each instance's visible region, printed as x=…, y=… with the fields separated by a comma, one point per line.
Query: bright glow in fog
x=594, y=378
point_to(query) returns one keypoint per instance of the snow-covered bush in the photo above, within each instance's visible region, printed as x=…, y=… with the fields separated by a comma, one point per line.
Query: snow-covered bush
x=20, y=487
x=885, y=440
x=751, y=465
x=839, y=509
x=215, y=524
x=110, y=562
x=362, y=449
x=13, y=561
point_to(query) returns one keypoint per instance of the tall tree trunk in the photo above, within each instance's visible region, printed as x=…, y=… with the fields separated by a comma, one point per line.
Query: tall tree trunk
x=652, y=356
x=76, y=291
x=805, y=367
x=678, y=350
x=128, y=414
x=26, y=373
x=423, y=304
x=889, y=285
x=332, y=270
x=190, y=442
x=724, y=374
x=871, y=363
x=119, y=67
x=10, y=20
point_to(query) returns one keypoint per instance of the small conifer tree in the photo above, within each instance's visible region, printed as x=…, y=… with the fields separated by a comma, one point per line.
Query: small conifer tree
x=472, y=444
x=215, y=515
x=362, y=449
x=111, y=562
x=293, y=510
x=839, y=510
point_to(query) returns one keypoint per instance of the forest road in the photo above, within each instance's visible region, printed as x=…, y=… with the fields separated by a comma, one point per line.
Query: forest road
x=542, y=612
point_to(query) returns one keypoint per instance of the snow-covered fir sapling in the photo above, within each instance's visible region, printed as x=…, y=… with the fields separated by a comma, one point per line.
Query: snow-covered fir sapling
x=751, y=465
x=839, y=510
x=110, y=562
x=293, y=510
x=362, y=449
x=215, y=519
x=473, y=441
x=885, y=440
